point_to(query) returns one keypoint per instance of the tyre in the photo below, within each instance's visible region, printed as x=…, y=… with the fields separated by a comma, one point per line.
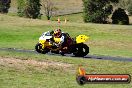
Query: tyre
x=81, y=50
x=56, y=52
x=39, y=49
x=81, y=80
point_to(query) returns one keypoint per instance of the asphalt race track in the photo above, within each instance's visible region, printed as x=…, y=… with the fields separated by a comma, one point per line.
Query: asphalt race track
x=98, y=57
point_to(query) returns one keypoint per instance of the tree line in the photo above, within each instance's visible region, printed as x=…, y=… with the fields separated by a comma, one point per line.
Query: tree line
x=95, y=11
x=29, y=8
x=98, y=11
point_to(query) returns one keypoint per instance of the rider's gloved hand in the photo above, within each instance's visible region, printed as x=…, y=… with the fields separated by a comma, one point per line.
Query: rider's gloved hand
x=57, y=45
x=54, y=44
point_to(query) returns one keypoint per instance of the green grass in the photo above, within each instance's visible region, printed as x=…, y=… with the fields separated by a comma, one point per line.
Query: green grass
x=53, y=77
x=15, y=32
x=78, y=17
x=112, y=40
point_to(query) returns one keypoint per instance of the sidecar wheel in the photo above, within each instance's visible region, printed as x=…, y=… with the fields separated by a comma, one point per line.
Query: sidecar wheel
x=81, y=50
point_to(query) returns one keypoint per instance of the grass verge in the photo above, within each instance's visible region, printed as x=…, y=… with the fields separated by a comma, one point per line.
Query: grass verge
x=18, y=69
x=105, y=39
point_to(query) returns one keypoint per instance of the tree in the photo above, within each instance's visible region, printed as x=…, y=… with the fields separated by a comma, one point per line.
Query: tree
x=29, y=8
x=124, y=4
x=97, y=11
x=120, y=17
x=48, y=7
x=21, y=7
x=130, y=8
x=4, y=6
x=32, y=9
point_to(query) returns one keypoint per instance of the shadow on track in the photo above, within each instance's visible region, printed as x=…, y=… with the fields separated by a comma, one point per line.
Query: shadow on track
x=98, y=57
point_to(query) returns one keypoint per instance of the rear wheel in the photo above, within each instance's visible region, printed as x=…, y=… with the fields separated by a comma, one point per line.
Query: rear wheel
x=81, y=50
x=56, y=52
x=39, y=49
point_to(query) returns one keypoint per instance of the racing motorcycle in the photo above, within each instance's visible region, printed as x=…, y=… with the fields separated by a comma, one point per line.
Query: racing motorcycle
x=73, y=46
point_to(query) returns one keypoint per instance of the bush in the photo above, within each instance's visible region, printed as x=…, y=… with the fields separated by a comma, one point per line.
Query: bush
x=21, y=7
x=97, y=11
x=4, y=6
x=130, y=8
x=29, y=8
x=126, y=4
x=32, y=9
x=120, y=17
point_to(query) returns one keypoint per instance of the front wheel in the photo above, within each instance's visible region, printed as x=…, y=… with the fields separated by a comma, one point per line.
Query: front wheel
x=81, y=50
x=39, y=49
